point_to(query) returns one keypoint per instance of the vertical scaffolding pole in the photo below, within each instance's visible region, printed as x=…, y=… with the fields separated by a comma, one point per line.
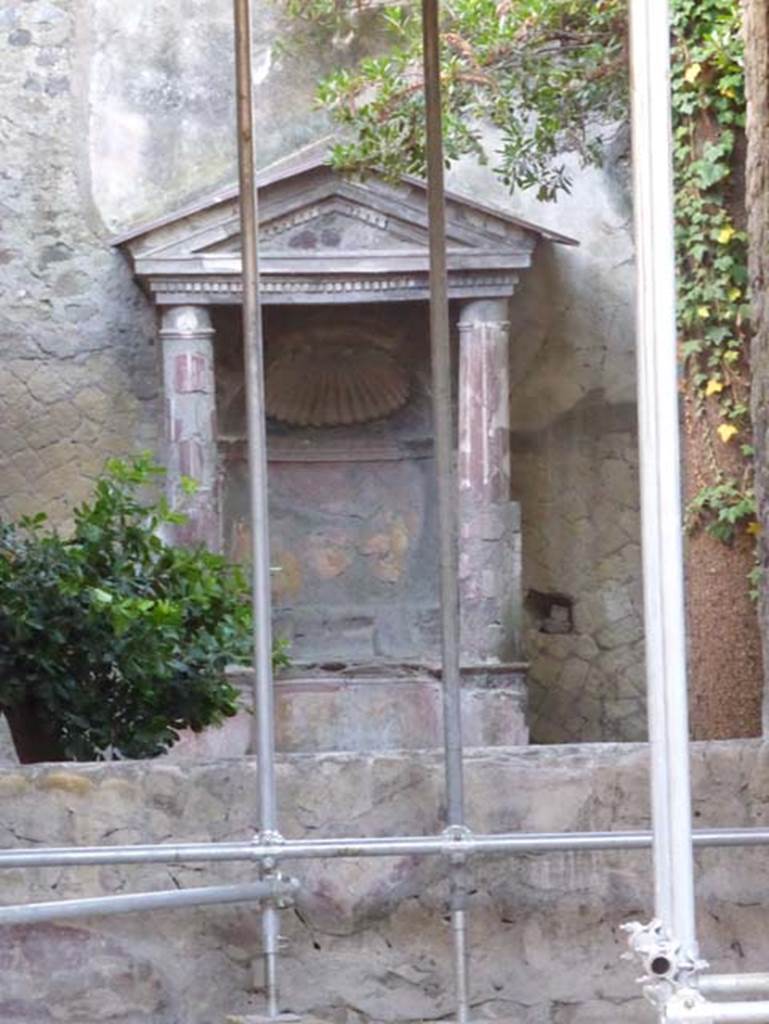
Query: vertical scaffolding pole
x=440, y=338
x=253, y=344
x=660, y=472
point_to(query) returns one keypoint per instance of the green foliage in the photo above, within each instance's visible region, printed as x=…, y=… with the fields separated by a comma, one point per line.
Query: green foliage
x=120, y=639
x=546, y=73
x=708, y=124
x=722, y=508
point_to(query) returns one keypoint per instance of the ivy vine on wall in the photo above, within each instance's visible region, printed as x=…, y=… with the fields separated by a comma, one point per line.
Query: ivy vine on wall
x=708, y=131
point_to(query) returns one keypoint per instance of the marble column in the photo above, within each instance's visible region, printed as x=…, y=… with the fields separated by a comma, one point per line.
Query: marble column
x=190, y=423
x=489, y=522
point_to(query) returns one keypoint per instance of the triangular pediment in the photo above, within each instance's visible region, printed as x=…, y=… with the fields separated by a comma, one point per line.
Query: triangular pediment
x=331, y=215
x=315, y=223
x=331, y=224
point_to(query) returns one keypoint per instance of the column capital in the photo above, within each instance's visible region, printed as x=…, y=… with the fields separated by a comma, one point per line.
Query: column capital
x=186, y=322
x=494, y=312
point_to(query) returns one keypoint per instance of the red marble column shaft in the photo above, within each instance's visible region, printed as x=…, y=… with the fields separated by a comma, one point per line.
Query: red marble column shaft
x=484, y=401
x=190, y=423
x=489, y=529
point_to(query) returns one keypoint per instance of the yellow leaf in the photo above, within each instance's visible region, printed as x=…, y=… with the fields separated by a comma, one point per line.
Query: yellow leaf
x=703, y=312
x=754, y=528
x=714, y=387
x=725, y=235
x=728, y=91
x=734, y=294
x=692, y=73
x=727, y=431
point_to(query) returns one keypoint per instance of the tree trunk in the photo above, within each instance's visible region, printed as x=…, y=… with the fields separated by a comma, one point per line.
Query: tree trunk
x=724, y=638
x=757, y=202
x=724, y=650
x=32, y=733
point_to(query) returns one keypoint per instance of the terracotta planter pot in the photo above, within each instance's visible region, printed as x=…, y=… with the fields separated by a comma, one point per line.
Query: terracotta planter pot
x=32, y=734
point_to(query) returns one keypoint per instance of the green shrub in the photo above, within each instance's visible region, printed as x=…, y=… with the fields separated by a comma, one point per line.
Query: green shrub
x=112, y=638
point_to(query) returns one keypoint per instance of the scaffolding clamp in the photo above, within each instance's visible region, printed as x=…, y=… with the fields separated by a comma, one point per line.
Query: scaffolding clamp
x=284, y=896
x=461, y=836
x=286, y=888
x=685, y=1005
x=268, y=837
x=668, y=968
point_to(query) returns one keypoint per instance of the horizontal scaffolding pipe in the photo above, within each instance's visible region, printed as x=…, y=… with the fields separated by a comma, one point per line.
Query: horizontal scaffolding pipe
x=406, y=846
x=733, y=984
x=128, y=903
x=716, y=1013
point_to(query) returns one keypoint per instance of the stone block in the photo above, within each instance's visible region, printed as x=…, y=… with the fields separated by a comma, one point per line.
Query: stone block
x=7, y=750
x=374, y=708
x=620, y=633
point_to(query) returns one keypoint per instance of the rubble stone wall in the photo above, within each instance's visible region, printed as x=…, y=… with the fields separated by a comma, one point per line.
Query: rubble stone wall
x=78, y=380
x=368, y=940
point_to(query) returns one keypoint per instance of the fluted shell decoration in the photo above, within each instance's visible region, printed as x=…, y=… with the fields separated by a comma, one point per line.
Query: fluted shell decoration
x=324, y=383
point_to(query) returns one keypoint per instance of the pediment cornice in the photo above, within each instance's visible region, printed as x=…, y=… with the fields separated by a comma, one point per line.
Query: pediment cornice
x=324, y=237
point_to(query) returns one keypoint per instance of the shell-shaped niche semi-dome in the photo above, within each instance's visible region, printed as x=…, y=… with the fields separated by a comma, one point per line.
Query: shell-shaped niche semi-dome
x=333, y=377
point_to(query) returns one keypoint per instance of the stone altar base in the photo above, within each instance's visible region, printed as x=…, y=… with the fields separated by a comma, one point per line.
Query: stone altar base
x=372, y=708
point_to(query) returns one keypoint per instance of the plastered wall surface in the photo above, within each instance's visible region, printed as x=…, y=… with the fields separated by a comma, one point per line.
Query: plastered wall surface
x=368, y=940
x=352, y=508
x=114, y=113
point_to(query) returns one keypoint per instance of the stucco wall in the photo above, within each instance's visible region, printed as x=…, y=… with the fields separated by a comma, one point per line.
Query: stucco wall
x=368, y=940
x=119, y=112
x=352, y=508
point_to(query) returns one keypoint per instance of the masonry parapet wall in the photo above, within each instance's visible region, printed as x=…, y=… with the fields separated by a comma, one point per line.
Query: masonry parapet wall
x=367, y=940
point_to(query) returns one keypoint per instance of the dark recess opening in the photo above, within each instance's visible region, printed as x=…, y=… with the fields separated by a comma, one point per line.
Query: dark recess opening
x=553, y=612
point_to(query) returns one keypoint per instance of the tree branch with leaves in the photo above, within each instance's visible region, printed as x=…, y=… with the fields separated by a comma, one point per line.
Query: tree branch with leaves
x=550, y=76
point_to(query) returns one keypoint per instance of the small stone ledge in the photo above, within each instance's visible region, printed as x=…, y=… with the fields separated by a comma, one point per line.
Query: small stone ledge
x=369, y=707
